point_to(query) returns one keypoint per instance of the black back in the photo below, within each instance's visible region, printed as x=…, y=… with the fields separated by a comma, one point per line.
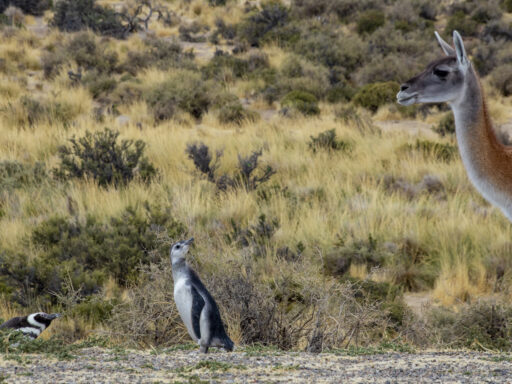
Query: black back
x=22, y=321
x=197, y=306
x=16, y=322
x=213, y=314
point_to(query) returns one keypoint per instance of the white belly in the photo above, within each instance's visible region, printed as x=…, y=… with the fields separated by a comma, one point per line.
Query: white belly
x=183, y=300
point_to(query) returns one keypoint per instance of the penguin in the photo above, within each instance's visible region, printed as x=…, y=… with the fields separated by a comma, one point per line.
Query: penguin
x=32, y=325
x=196, y=306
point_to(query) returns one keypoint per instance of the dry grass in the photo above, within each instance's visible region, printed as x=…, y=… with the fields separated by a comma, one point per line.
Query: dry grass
x=329, y=195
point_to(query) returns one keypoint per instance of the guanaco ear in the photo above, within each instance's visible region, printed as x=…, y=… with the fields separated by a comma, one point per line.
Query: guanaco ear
x=460, y=50
x=447, y=49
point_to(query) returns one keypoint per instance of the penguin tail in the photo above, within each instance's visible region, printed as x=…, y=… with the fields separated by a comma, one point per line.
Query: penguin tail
x=228, y=344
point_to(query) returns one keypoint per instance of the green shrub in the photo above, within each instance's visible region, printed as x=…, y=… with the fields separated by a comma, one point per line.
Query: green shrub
x=369, y=21
x=160, y=53
x=258, y=236
x=304, y=102
x=227, y=31
x=501, y=78
x=412, y=269
x=333, y=50
x=99, y=85
x=461, y=22
x=94, y=309
x=327, y=140
x=191, y=32
x=77, y=15
x=86, y=53
x=217, y=3
x=447, y=125
x=372, y=96
x=235, y=113
x=345, y=10
x=91, y=55
x=302, y=75
x=84, y=253
x=440, y=151
x=217, y=66
x=482, y=326
x=256, y=26
x=337, y=262
x=184, y=91
x=506, y=5
x=385, y=296
x=388, y=67
x=245, y=175
x=16, y=175
x=15, y=343
x=99, y=156
x=127, y=92
x=340, y=92
x=31, y=7
x=485, y=12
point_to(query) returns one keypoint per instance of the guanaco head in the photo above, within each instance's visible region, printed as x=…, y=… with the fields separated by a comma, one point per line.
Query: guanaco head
x=442, y=81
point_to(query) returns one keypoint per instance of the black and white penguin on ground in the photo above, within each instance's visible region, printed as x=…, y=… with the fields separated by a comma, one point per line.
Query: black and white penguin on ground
x=196, y=306
x=32, y=325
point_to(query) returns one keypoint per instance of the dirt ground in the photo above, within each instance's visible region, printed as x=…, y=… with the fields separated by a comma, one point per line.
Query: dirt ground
x=97, y=365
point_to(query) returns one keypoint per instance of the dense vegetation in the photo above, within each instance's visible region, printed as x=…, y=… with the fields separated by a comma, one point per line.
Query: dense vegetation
x=312, y=223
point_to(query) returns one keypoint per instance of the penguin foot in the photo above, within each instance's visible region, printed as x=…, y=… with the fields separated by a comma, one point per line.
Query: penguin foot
x=203, y=349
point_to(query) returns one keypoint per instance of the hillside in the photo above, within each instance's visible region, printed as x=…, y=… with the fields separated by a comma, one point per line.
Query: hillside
x=325, y=215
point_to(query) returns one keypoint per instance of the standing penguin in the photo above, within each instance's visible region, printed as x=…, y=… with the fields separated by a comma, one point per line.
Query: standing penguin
x=32, y=325
x=196, y=306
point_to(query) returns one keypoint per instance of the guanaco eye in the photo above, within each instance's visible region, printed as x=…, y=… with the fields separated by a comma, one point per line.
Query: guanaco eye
x=440, y=73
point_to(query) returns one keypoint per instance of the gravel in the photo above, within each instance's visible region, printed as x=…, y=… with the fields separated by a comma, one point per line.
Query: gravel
x=99, y=365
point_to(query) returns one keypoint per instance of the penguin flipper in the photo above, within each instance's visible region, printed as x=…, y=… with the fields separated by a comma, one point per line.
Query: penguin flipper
x=197, y=308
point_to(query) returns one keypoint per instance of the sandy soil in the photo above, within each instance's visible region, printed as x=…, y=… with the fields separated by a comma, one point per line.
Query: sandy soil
x=96, y=365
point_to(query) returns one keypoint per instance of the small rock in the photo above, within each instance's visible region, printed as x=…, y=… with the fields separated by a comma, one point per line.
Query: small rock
x=123, y=120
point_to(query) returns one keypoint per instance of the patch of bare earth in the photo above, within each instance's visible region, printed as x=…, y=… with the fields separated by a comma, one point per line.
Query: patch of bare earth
x=96, y=365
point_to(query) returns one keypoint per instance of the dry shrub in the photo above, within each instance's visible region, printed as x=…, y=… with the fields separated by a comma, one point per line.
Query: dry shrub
x=245, y=175
x=149, y=316
x=430, y=184
x=347, y=316
x=358, y=119
x=256, y=315
x=287, y=313
x=300, y=314
x=484, y=325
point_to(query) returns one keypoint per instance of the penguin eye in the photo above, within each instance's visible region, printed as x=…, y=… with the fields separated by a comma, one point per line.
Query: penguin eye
x=177, y=247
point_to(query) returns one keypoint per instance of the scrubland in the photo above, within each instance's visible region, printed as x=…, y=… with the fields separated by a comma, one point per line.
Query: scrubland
x=256, y=128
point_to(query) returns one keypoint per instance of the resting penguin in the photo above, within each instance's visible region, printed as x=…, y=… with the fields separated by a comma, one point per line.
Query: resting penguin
x=196, y=306
x=32, y=325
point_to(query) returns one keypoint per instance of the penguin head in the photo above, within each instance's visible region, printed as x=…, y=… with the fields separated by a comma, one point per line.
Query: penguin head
x=41, y=318
x=180, y=249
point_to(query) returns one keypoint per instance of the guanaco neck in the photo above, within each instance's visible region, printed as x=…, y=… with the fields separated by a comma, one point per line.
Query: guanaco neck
x=487, y=161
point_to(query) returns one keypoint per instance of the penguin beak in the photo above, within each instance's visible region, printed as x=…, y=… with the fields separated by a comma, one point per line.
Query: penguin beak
x=53, y=316
x=189, y=241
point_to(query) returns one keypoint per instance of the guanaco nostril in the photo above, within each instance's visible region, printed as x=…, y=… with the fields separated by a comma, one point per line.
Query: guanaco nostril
x=403, y=87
